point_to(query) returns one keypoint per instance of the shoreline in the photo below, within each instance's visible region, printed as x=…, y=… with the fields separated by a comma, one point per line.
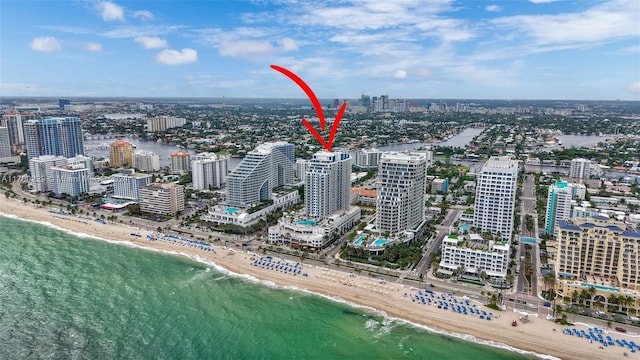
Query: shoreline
x=538, y=337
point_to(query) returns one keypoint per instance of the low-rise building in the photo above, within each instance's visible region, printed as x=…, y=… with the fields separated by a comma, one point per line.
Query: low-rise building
x=299, y=231
x=471, y=254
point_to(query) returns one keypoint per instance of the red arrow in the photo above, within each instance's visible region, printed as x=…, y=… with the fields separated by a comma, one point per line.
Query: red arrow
x=316, y=105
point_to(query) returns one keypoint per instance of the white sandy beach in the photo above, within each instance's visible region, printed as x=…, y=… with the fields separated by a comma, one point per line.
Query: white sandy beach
x=537, y=335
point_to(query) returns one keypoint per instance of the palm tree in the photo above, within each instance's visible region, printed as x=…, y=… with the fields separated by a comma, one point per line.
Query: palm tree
x=613, y=300
x=574, y=296
x=482, y=275
x=598, y=304
x=549, y=279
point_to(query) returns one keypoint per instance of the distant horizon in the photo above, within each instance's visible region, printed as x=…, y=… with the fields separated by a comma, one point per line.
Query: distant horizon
x=410, y=49
x=301, y=99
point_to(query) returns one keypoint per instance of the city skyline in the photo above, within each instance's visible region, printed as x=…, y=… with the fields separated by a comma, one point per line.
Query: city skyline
x=537, y=49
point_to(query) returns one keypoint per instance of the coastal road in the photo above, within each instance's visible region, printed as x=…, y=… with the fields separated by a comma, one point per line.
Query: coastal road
x=528, y=203
x=442, y=230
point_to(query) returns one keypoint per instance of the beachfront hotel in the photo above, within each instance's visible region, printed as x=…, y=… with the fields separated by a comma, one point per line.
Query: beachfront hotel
x=121, y=154
x=162, y=198
x=599, y=252
x=72, y=180
x=472, y=254
x=401, y=191
x=209, y=170
x=496, y=196
x=54, y=136
x=268, y=166
x=127, y=184
x=40, y=172
x=328, y=212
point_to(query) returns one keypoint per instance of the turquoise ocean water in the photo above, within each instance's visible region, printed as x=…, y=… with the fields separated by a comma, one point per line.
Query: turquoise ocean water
x=65, y=297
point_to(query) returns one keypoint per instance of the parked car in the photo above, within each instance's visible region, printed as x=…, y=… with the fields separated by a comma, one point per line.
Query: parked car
x=619, y=329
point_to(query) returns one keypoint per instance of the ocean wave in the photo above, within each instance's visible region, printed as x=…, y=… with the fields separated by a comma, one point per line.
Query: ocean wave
x=250, y=278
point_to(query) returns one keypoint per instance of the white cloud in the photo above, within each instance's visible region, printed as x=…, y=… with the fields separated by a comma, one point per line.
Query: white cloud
x=254, y=49
x=111, y=11
x=137, y=31
x=151, y=42
x=493, y=8
x=175, y=57
x=635, y=49
x=287, y=44
x=541, y=1
x=94, y=47
x=611, y=20
x=45, y=43
x=400, y=74
x=143, y=15
x=634, y=87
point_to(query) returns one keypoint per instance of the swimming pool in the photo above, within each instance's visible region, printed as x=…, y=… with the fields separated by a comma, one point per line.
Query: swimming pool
x=380, y=242
x=306, y=222
x=231, y=210
x=599, y=287
x=464, y=227
x=359, y=241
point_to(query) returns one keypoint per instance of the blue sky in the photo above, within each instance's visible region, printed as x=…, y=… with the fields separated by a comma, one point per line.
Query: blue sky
x=516, y=49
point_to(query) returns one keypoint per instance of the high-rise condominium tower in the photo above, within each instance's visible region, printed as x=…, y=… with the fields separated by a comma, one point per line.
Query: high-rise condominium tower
x=401, y=188
x=327, y=184
x=265, y=168
x=54, y=136
x=496, y=196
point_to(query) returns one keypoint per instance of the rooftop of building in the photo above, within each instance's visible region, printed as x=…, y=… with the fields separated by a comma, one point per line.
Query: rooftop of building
x=180, y=154
x=121, y=143
x=364, y=192
x=267, y=148
x=159, y=185
x=605, y=223
x=403, y=156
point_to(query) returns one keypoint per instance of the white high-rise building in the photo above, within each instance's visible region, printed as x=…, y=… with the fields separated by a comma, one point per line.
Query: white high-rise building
x=5, y=143
x=72, y=180
x=368, y=158
x=558, y=205
x=127, y=184
x=41, y=173
x=496, y=196
x=401, y=191
x=263, y=169
x=327, y=184
x=580, y=169
x=180, y=162
x=209, y=171
x=146, y=161
x=301, y=168
x=164, y=122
